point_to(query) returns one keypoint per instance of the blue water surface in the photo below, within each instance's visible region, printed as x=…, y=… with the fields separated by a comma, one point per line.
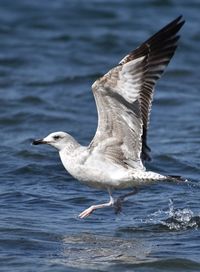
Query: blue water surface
x=50, y=54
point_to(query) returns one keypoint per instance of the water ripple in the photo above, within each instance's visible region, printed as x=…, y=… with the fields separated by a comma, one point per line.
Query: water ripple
x=51, y=53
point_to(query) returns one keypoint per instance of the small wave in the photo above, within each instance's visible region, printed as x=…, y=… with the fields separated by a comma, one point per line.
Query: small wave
x=33, y=100
x=64, y=80
x=12, y=61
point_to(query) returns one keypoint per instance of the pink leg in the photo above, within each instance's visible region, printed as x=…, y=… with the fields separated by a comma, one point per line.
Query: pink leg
x=92, y=208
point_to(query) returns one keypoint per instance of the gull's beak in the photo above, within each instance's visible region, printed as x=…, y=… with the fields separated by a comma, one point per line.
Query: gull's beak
x=40, y=141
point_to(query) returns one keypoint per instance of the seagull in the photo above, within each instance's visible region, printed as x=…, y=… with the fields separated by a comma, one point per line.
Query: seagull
x=115, y=158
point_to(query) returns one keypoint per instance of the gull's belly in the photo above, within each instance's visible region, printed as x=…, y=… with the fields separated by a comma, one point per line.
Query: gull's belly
x=98, y=177
x=102, y=173
x=115, y=177
x=98, y=173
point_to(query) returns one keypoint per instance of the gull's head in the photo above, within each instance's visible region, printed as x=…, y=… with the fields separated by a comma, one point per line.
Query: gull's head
x=59, y=140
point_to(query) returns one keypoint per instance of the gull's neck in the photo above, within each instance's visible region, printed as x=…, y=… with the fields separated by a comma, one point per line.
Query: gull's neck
x=70, y=146
x=70, y=155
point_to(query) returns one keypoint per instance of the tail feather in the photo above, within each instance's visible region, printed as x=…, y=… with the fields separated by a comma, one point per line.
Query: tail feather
x=177, y=179
x=182, y=180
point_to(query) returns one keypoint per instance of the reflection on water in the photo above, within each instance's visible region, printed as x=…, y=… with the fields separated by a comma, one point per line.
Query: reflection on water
x=98, y=251
x=94, y=251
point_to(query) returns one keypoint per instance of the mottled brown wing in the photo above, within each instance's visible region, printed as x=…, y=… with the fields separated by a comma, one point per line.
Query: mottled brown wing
x=159, y=50
x=124, y=97
x=119, y=130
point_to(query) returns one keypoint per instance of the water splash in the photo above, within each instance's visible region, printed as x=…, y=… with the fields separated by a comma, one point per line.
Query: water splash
x=180, y=218
x=174, y=219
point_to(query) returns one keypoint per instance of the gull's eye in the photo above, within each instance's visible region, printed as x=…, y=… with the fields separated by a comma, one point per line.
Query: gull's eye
x=56, y=137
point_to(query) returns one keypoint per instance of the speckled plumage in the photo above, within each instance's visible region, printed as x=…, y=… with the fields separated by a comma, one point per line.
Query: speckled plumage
x=115, y=157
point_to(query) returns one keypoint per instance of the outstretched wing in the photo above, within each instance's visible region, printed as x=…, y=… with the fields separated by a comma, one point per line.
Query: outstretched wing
x=124, y=97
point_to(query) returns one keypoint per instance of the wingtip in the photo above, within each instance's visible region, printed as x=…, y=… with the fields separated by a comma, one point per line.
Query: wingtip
x=180, y=17
x=180, y=20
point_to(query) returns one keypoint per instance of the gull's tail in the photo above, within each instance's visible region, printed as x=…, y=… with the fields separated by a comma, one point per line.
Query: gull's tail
x=177, y=179
x=181, y=180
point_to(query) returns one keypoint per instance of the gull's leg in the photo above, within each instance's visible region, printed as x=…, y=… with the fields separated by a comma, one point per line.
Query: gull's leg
x=88, y=211
x=120, y=199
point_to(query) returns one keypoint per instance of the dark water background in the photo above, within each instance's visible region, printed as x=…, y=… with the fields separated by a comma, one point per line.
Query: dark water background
x=50, y=54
